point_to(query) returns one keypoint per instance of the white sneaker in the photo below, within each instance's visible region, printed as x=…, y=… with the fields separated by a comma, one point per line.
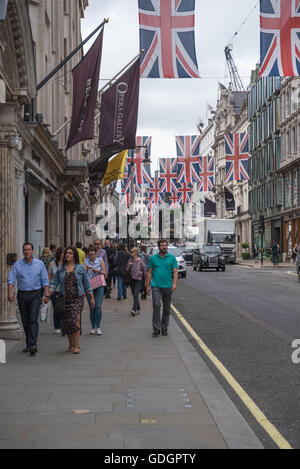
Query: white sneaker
x=92, y=331
x=57, y=331
x=99, y=332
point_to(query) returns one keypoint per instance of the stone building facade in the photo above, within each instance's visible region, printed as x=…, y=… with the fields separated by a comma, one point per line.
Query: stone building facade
x=41, y=193
x=290, y=163
x=231, y=117
x=265, y=191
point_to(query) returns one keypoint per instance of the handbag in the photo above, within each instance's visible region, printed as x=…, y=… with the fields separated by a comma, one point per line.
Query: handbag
x=97, y=282
x=60, y=307
x=127, y=279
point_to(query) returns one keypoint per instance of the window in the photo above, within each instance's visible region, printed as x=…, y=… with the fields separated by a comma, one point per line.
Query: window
x=287, y=191
x=294, y=188
x=295, y=144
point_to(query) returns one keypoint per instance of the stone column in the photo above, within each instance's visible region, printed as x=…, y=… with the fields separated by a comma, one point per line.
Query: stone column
x=9, y=326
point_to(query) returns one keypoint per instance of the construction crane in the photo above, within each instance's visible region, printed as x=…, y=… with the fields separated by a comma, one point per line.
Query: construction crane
x=233, y=72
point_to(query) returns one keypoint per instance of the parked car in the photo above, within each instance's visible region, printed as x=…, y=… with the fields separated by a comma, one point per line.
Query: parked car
x=187, y=254
x=208, y=257
x=175, y=252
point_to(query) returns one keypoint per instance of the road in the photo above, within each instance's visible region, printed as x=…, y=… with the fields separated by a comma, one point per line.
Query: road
x=249, y=317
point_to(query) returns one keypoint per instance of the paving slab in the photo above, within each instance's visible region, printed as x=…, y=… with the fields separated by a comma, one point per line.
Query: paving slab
x=140, y=392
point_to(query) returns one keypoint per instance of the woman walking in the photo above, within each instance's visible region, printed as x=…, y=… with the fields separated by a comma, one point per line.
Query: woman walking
x=72, y=280
x=96, y=267
x=52, y=269
x=136, y=268
x=120, y=262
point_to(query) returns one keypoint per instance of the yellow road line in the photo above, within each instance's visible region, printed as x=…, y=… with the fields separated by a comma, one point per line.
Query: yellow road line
x=274, y=434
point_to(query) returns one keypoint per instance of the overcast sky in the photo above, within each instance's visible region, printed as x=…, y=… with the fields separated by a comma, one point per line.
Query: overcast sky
x=171, y=107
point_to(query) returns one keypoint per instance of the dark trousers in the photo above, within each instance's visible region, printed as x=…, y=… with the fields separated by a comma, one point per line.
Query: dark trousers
x=135, y=289
x=158, y=294
x=29, y=305
x=108, y=281
x=56, y=318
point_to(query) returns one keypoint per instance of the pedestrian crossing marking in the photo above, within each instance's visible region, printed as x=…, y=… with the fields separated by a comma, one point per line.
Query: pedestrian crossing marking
x=274, y=434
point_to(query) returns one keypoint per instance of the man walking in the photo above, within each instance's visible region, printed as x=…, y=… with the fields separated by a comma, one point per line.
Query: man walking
x=110, y=253
x=31, y=276
x=162, y=276
x=275, y=252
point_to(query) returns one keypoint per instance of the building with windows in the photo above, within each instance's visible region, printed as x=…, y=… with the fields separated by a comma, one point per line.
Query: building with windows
x=290, y=163
x=265, y=184
x=40, y=190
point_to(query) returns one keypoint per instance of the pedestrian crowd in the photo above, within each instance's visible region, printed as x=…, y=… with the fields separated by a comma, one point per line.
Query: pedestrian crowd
x=64, y=276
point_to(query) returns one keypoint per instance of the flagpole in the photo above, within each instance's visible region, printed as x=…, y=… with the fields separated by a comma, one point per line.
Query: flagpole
x=51, y=74
x=108, y=84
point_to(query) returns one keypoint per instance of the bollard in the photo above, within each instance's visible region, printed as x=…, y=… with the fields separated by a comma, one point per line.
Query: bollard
x=2, y=352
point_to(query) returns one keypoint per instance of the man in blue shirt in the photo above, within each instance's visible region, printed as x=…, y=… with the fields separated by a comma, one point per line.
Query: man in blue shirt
x=163, y=276
x=31, y=276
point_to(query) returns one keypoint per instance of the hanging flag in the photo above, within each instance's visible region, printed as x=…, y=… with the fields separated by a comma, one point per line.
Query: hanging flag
x=210, y=208
x=184, y=192
x=115, y=168
x=173, y=200
x=119, y=112
x=188, y=161
x=147, y=178
x=156, y=191
x=236, y=150
x=229, y=200
x=206, y=174
x=97, y=170
x=280, y=38
x=167, y=35
x=85, y=92
x=168, y=173
x=139, y=158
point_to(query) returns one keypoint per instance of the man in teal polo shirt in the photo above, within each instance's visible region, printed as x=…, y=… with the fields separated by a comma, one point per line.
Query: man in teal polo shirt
x=163, y=276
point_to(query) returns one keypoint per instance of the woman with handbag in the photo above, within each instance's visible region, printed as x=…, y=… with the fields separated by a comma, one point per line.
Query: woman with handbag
x=136, y=268
x=96, y=272
x=73, y=283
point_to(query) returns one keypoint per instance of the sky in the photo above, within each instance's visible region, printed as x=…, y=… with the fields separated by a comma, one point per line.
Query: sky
x=171, y=107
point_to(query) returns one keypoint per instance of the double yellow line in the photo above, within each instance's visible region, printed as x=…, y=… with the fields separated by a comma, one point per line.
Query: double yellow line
x=274, y=434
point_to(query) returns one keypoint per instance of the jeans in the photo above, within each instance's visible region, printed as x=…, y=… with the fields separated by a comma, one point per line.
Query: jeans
x=29, y=306
x=275, y=256
x=122, y=289
x=157, y=294
x=96, y=313
x=56, y=318
x=136, y=289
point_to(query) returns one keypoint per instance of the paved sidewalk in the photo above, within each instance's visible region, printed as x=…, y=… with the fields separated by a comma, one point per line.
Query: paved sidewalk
x=266, y=265
x=139, y=392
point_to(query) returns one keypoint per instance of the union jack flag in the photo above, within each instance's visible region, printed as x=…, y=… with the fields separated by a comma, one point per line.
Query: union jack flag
x=168, y=173
x=129, y=181
x=188, y=158
x=207, y=174
x=156, y=191
x=167, y=35
x=280, y=38
x=237, y=157
x=184, y=192
x=142, y=171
